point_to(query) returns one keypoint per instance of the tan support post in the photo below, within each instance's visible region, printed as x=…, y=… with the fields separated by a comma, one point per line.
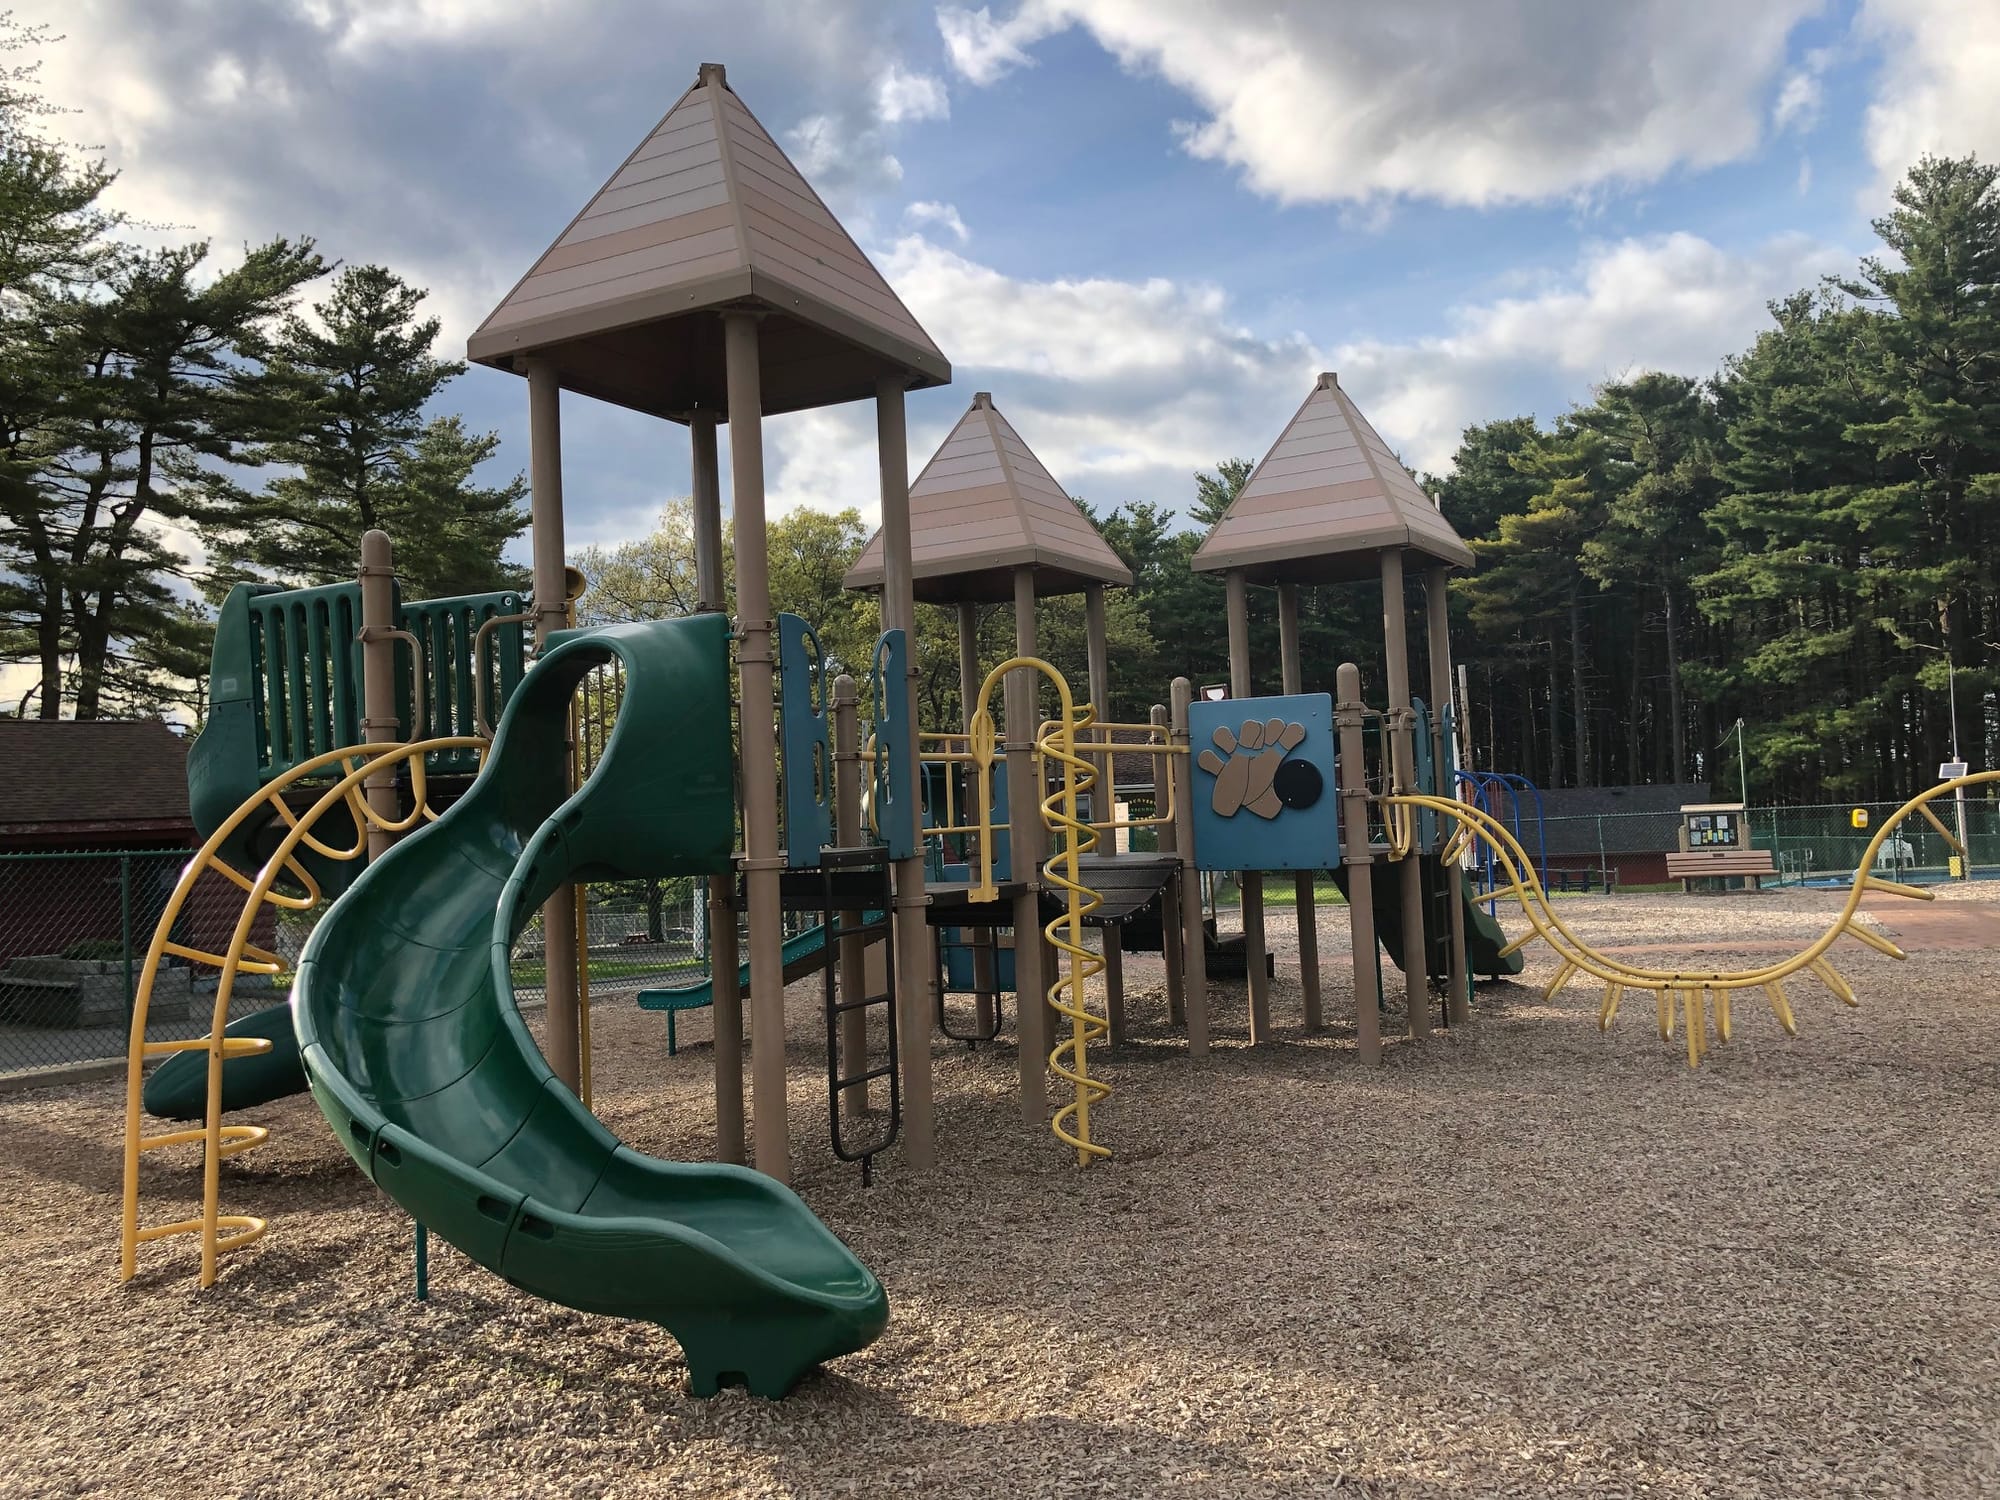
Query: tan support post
x=565, y=1039
x=1024, y=837
x=1359, y=857
x=1194, y=946
x=1169, y=843
x=1251, y=881
x=1437, y=633
x=724, y=961
x=1305, y=906
x=1403, y=776
x=853, y=956
x=379, y=723
x=985, y=989
x=1104, y=803
x=915, y=971
x=755, y=662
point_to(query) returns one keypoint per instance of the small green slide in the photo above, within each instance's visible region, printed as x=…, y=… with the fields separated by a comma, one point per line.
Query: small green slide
x=1484, y=937
x=419, y=1059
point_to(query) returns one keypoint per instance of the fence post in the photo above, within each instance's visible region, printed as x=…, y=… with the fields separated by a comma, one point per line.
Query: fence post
x=1603, y=863
x=125, y=931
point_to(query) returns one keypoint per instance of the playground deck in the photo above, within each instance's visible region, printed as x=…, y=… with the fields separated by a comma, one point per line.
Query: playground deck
x=1528, y=1259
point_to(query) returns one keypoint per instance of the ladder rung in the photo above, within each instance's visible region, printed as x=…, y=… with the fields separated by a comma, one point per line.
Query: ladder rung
x=860, y=1078
x=232, y=1046
x=841, y=1007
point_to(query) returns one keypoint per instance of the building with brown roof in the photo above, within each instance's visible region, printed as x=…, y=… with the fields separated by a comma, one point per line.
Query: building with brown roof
x=93, y=784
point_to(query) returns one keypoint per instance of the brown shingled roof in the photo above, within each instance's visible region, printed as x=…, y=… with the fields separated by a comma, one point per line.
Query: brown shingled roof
x=706, y=214
x=984, y=506
x=87, y=779
x=1327, y=499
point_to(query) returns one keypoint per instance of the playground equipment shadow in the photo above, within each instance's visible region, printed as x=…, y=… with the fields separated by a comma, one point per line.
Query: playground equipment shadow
x=1528, y=1258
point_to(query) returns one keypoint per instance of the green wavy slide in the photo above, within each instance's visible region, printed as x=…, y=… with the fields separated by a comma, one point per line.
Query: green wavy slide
x=419, y=1059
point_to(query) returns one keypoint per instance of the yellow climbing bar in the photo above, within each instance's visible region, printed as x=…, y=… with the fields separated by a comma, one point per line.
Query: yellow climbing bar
x=1074, y=838
x=218, y=1141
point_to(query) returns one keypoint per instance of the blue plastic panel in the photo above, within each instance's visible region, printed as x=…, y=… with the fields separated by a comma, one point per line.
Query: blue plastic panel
x=805, y=737
x=1264, y=795
x=896, y=801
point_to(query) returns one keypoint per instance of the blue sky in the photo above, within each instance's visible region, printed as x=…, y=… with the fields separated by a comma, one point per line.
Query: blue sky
x=1143, y=224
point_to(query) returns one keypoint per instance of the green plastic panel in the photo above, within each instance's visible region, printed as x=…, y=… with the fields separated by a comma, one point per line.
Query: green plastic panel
x=418, y=1056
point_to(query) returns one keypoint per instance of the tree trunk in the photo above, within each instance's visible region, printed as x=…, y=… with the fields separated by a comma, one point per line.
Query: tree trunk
x=48, y=637
x=1555, y=719
x=1678, y=735
x=1579, y=700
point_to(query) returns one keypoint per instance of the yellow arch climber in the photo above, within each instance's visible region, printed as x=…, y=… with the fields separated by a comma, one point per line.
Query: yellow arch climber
x=1695, y=991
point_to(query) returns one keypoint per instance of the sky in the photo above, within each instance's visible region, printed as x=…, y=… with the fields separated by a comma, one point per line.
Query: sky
x=1144, y=225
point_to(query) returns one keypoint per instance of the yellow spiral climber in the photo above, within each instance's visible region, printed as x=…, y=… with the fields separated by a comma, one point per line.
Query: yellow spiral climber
x=1070, y=1058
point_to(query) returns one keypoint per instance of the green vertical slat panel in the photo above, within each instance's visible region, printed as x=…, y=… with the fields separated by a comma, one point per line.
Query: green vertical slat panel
x=273, y=616
x=298, y=643
x=318, y=664
x=347, y=670
x=258, y=673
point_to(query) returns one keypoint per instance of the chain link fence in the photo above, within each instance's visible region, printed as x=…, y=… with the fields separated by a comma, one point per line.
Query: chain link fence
x=74, y=929
x=1807, y=843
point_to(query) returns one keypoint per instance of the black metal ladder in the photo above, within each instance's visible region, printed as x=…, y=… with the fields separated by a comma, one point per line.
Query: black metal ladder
x=863, y=885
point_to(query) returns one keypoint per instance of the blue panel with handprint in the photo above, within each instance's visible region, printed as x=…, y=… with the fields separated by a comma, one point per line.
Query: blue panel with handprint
x=1263, y=783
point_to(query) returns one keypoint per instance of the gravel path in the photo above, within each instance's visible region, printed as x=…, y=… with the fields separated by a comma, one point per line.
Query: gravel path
x=1523, y=1259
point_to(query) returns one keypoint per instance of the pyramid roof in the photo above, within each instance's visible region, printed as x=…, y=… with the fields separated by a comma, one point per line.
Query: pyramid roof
x=707, y=214
x=1327, y=498
x=982, y=507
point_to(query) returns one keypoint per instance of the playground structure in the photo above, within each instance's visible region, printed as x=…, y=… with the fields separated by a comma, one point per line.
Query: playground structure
x=683, y=291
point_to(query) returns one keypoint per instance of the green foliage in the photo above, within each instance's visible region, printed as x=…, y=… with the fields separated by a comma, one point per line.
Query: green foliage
x=343, y=398
x=137, y=389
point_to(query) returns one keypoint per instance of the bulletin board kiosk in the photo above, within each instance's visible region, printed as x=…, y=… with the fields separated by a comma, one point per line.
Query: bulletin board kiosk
x=1716, y=847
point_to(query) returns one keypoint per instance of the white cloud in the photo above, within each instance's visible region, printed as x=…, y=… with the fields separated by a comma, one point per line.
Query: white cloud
x=984, y=50
x=1799, y=100
x=1937, y=92
x=1323, y=103
x=1673, y=302
x=903, y=95
x=944, y=215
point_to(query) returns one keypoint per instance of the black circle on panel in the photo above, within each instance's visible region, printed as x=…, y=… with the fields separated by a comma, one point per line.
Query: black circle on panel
x=1298, y=784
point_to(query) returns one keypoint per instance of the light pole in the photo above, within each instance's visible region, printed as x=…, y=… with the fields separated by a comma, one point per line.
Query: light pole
x=1958, y=761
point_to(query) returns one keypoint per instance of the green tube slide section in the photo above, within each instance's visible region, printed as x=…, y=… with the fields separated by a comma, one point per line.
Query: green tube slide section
x=1484, y=937
x=419, y=1059
x=178, y=1088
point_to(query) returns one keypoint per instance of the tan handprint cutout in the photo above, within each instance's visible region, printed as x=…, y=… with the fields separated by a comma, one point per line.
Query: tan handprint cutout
x=1250, y=759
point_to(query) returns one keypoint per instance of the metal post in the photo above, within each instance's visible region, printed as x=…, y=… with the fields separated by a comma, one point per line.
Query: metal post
x=1305, y=906
x=423, y=1264
x=1437, y=640
x=724, y=962
x=565, y=1039
x=1024, y=837
x=1169, y=843
x=756, y=704
x=1104, y=802
x=915, y=971
x=1359, y=858
x=1402, y=777
x=379, y=723
x=1194, y=944
x=1250, y=882
x=985, y=990
x=853, y=956
x=125, y=932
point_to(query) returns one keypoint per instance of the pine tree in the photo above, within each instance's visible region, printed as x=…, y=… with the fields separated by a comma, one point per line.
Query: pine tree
x=347, y=390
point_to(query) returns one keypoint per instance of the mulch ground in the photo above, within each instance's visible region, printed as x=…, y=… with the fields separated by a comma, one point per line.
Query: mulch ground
x=1524, y=1258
